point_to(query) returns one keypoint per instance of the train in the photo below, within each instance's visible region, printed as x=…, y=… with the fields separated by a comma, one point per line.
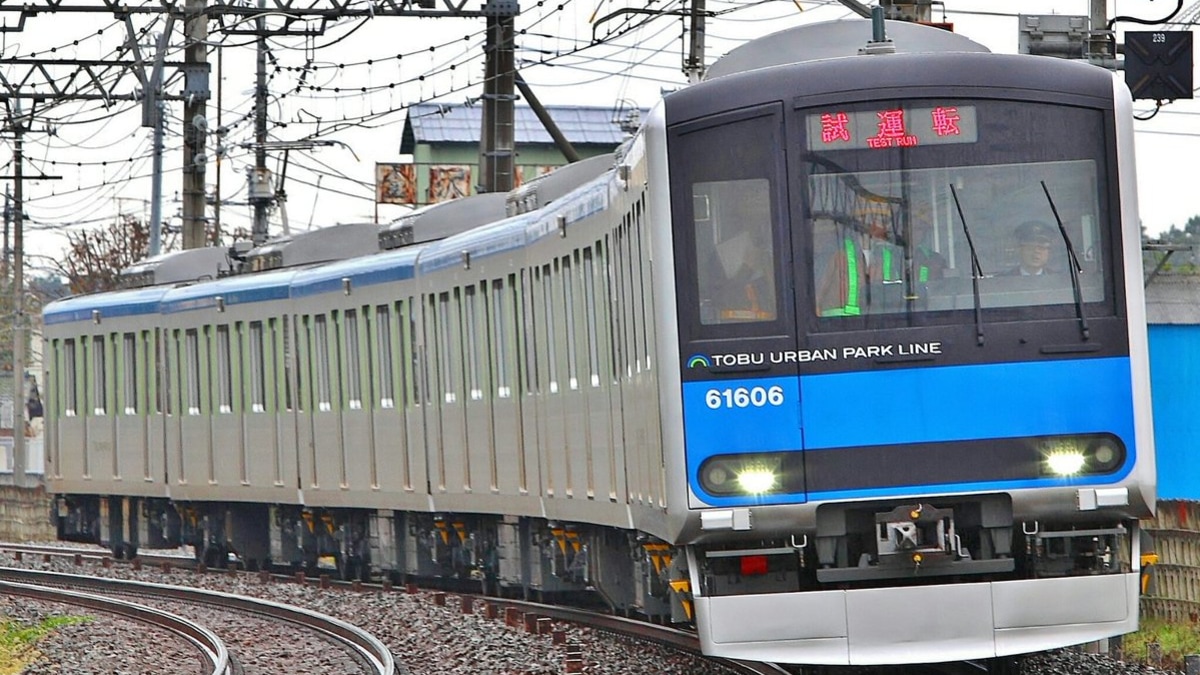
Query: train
x=839, y=359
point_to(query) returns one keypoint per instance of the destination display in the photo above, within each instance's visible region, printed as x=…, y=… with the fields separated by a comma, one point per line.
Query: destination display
x=891, y=128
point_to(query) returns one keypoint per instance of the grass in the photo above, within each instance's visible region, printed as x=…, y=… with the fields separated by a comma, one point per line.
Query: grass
x=1175, y=640
x=18, y=640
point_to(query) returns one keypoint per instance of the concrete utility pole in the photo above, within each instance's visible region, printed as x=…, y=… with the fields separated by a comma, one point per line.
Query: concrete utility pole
x=156, y=185
x=1099, y=44
x=195, y=123
x=497, y=152
x=693, y=66
x=261, y=196
x=18, y=324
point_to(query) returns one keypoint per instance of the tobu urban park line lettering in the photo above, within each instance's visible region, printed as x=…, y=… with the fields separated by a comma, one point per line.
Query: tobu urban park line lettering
x=845, y=353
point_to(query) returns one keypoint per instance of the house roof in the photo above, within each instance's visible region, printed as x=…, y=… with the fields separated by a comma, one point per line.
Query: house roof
x=456, y=123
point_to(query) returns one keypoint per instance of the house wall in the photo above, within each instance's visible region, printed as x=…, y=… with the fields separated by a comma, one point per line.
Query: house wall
x=1175, y=386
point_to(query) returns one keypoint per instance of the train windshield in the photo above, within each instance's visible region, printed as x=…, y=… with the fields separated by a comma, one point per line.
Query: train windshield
x=928, y=207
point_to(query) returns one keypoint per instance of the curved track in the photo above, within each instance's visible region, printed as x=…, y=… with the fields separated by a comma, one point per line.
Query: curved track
x=680, y=640
x=212, y=650
x=367, y=649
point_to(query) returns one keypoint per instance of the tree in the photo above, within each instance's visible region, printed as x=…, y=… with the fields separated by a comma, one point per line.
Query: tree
x=1189, y=234
x=93, y=259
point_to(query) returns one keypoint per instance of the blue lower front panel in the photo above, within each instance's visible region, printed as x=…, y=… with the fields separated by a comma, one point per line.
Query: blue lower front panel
x=955, y=425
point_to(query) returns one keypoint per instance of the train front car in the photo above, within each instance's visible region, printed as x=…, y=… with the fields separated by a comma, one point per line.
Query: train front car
x=913, y=390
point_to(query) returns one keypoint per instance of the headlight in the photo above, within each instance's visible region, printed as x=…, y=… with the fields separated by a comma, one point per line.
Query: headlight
x=753, y=474
x=1065, y=462
x=1081, y=455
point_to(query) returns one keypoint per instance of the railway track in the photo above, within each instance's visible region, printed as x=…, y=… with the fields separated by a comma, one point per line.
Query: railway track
x=214, y=655
x=675, y=639
x=365, y=648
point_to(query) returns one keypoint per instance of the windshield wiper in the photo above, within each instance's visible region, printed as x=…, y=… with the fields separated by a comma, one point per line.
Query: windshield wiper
x=976, y=268
x=1073, y=263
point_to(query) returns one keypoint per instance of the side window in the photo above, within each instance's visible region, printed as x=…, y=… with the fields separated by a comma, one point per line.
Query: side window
x=353, y=361
x=129, y=382
x=383, y=341
x=192, y=367
x=70, y=392
x=728, y=186
x=324, y=401
x=735, y=275
x=224, y=371
x=258, y=380
x=99, y=371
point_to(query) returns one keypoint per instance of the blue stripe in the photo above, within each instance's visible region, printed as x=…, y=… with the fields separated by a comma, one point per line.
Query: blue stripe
x=111, y=305
x=232, y=290
x=1003, y=400
x=921, y=405
x=377, y=269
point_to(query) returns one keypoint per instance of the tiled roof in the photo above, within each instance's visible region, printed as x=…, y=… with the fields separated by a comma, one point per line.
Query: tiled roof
x=456, y=123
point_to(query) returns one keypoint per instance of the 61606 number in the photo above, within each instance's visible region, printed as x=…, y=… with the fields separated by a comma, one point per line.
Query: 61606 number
x=744, y=397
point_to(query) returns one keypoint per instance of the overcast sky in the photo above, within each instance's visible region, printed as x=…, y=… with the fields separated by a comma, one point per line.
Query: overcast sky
x=352, y=84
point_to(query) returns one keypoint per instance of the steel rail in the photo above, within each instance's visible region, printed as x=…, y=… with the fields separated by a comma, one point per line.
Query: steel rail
x=212, y=649
x=673, y=638
x=363, y=644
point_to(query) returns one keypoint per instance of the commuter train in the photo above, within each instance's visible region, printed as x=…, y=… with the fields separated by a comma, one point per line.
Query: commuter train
x=786, y=366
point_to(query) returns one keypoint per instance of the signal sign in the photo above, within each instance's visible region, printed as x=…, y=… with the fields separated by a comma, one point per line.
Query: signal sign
x=1158, y=64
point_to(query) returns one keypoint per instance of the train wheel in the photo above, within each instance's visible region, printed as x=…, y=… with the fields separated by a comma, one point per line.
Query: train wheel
x=352, y=568
x=215, y=557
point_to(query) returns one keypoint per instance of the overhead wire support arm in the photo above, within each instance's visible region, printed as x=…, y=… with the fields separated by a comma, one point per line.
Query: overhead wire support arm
x=654, y=12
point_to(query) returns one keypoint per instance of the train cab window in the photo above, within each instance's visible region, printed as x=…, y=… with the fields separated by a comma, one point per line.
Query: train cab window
x=986, y=205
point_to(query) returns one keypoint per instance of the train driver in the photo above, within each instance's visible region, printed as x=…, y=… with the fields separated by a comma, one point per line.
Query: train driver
x=1033, y=249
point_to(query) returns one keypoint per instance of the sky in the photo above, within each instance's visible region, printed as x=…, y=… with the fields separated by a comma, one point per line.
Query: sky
x=349, y=89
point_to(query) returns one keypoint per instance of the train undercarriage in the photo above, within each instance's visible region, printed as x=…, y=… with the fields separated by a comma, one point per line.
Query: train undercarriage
x=507, y=556
x=853, y=546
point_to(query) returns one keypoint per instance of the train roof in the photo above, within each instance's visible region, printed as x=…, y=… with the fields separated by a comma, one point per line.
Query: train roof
x=233, y=290
x=443, y=219
x=338, y=242
x=177, y=266
x=376, y=269
x=870, y=77
x=481, y=242
x=546, y=188
x=108, y=305
x=520, y=230
x=834, y=39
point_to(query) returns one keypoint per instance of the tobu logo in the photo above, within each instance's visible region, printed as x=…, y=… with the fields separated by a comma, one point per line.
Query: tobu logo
x=698, y=361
